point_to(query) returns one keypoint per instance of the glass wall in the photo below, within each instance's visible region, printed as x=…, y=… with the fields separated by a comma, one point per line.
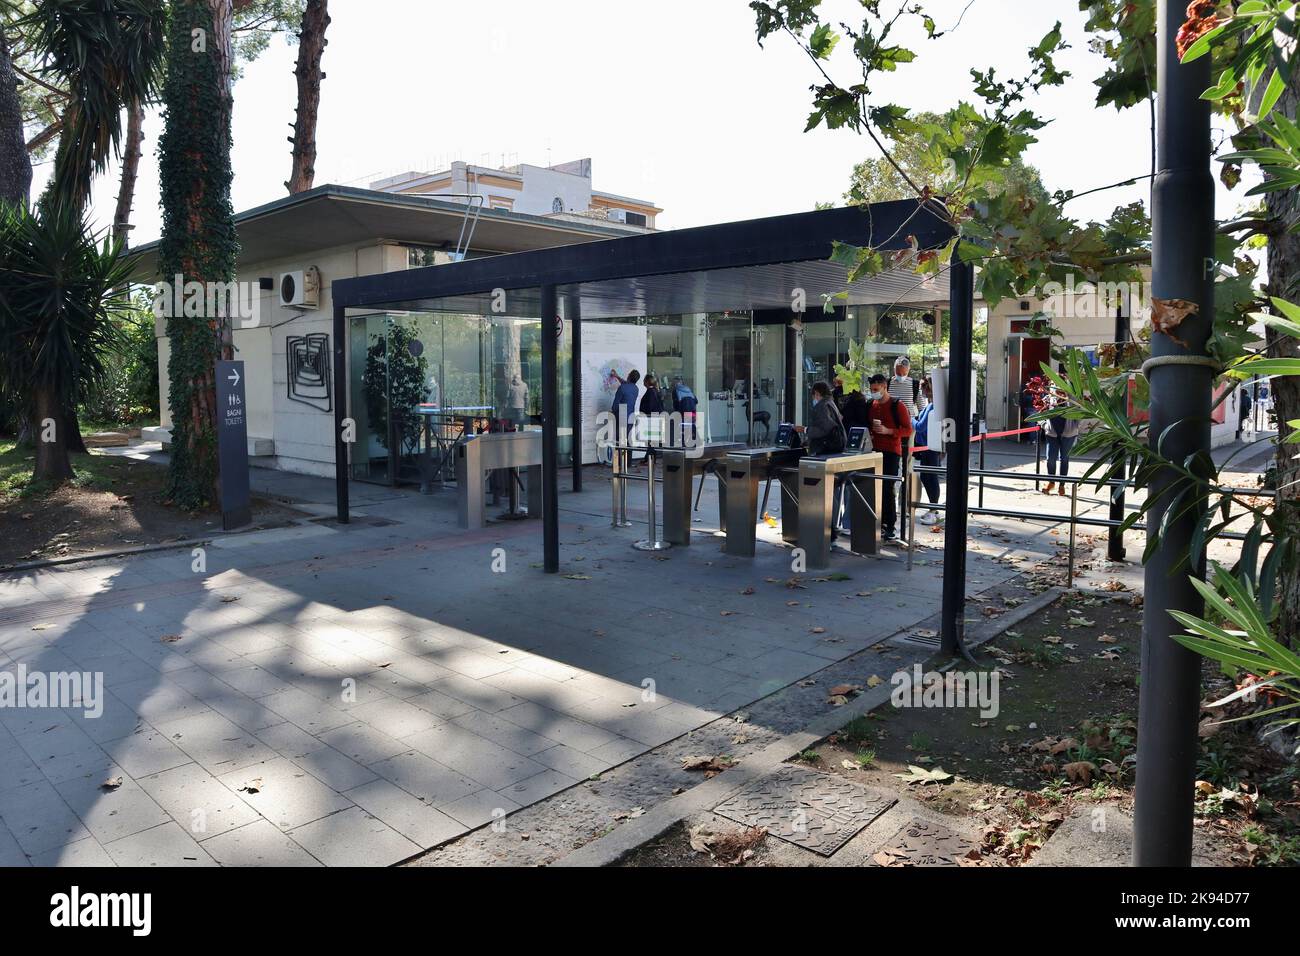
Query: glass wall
x=486, y=370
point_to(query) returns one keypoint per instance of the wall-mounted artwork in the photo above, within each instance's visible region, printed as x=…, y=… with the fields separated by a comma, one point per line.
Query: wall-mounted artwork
x=307, y=357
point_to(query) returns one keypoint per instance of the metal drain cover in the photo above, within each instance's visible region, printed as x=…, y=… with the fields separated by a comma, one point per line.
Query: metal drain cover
x=818, y=811
x=924, y=843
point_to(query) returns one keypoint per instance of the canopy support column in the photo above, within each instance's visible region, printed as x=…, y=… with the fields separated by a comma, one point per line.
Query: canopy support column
x=961, y=277
x=551, y=330
x=341, y=414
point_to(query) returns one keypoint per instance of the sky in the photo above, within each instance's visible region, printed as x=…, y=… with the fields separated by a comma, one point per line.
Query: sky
x=673, y=100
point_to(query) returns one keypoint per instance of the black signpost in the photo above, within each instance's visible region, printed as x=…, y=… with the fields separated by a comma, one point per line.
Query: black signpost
x=232, y=445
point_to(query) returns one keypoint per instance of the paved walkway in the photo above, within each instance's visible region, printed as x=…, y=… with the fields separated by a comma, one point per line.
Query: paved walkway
x=355, y=695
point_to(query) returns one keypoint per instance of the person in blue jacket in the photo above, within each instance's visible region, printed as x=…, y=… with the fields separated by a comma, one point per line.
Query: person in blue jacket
x=624, y=407
x=921, y=438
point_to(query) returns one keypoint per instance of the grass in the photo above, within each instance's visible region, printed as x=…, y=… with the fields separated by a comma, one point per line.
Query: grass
x=96, y=472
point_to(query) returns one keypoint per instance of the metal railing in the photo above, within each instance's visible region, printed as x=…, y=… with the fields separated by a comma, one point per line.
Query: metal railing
x=1073, y=518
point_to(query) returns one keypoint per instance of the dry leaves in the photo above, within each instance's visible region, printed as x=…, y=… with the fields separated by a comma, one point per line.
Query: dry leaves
x=729, y=847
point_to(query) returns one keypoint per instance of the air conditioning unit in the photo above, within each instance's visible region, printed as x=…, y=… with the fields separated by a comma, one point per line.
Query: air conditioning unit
x=300, y=289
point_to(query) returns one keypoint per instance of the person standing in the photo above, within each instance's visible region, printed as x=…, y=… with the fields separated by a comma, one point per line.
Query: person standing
x=652, y=410
x=855, y=410
x=907, y=390
x=624, y=406
x=890, y=425
x=903, y=387
x=928, y=458
x=685, y=405
x=1059, y=434
x=825, y=435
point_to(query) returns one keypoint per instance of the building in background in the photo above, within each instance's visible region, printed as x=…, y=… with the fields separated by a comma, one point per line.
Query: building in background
x=562, y=191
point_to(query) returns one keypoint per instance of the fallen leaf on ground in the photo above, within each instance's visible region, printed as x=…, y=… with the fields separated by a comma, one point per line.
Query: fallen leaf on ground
x=920, y=775
x=1080, y=771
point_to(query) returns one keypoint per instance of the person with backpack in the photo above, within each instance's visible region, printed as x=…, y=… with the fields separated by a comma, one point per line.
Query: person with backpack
x=891, y=425
x=825, y=435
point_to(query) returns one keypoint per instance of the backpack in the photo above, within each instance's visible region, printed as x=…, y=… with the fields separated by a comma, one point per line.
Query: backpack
x=833, y=444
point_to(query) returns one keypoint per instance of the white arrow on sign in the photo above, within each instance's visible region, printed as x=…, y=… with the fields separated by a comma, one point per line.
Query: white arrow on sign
x=234, y=376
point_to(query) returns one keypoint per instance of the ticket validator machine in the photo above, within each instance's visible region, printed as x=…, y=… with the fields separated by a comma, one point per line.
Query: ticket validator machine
x=746, y=470
x=481, y=454
x=681, y=466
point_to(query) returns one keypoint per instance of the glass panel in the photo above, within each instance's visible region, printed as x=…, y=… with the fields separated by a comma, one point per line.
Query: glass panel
x=727, y=376
x=769, y=380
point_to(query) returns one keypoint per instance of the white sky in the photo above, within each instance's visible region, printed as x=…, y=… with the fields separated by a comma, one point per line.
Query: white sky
x=673, y=100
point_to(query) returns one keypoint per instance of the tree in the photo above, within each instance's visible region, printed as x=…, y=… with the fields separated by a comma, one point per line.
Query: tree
x=876, y=179
x=15, y=167
x=58, y=319
x=311, y=47
x=255, y=22
x=198, y=242
x=108, y=55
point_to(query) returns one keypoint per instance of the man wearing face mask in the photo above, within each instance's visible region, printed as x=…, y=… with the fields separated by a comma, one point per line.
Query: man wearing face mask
x=891, y=425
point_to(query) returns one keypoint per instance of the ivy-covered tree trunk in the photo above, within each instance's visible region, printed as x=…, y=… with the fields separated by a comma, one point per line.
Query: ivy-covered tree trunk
x=15, y=166
x=311, y=47
x=198, y=238
x=1284, y=282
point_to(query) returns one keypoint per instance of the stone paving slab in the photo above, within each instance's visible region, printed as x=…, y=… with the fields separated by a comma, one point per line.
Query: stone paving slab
x=817, y=811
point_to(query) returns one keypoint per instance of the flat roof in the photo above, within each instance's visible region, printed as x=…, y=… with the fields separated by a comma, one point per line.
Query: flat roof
x=329, y=216
x=753, y=264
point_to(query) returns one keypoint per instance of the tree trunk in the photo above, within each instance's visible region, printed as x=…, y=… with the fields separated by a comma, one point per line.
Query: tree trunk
x=311, y=47
x=199, y=241
x=1284, y=282
x=15, y=166
x=72, y=430
x=131, y=151
x=52, y=461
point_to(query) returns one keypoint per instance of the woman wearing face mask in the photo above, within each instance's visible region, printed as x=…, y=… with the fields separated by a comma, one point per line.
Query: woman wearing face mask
x=929, y=480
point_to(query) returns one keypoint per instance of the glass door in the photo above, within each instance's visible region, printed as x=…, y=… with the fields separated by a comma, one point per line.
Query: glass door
x=728, y=376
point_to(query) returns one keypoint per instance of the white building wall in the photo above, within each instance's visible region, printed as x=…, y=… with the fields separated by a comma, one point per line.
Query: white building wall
x=301, y=436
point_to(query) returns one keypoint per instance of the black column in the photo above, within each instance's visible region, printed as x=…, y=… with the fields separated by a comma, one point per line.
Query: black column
x=1182, y=268
x=961, y=278
x=792, y=396
x=573, y=314
x=550, y=440
x=340, y=413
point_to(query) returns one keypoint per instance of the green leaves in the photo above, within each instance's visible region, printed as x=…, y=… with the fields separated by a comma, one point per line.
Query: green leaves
x=58, y=301
x=1242, y=640
x=823, y=41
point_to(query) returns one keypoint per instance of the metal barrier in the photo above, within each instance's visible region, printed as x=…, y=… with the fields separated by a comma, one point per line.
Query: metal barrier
x=618, y=482
x=1072, y=518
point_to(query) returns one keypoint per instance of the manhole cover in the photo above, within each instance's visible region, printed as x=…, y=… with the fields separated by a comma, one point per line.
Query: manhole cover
x=923, y=843
x=817, y=811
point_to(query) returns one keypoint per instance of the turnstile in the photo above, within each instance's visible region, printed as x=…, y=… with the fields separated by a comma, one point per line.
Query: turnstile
x=745, y=471
x=681, y=466
x=477, y=456
x=862, y=491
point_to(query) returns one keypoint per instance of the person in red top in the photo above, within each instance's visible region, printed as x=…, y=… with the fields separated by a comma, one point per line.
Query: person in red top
x=890, y=424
